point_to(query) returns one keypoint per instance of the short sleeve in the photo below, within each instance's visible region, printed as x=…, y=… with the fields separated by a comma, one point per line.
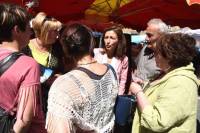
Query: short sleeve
x=30, y=72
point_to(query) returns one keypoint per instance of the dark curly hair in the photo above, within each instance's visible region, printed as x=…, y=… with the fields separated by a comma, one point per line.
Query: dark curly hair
x=179, y=49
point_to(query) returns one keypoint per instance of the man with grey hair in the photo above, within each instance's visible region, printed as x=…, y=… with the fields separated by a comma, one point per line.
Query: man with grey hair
x=146, y=65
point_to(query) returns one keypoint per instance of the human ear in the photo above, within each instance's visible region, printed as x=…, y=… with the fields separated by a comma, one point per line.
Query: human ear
x=16, y=29
x=16, y=32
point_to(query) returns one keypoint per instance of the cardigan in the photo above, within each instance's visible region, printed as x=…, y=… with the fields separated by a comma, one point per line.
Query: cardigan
x=173, y=106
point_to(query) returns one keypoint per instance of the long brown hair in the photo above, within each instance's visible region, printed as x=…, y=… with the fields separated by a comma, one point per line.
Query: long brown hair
x=120, y=50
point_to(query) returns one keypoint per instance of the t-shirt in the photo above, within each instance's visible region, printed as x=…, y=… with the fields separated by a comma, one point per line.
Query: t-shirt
x=17, y=83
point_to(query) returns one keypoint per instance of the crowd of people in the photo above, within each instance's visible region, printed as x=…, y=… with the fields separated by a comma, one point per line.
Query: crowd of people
x=64, y=83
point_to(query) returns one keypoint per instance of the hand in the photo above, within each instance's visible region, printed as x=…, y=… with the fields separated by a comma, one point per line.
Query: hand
x=137, y=80
x=135, y=87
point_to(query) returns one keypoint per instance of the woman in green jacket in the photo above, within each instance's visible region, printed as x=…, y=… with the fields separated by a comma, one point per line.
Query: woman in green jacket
x=168, y=104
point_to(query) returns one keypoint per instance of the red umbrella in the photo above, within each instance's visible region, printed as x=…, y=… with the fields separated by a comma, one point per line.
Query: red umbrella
x=134, y=14
x=174, y=12
x=65, y=10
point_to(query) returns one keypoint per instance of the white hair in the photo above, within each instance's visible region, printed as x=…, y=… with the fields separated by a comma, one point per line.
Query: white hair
x=161, y=25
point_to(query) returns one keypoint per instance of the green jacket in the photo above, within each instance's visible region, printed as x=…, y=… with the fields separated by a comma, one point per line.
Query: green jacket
x=173, y=104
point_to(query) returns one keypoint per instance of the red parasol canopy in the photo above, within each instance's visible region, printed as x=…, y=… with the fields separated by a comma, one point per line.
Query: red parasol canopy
x=174, y=12
x=134, y=14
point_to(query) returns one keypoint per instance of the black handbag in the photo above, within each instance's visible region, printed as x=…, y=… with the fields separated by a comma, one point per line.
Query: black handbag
x=6, y=120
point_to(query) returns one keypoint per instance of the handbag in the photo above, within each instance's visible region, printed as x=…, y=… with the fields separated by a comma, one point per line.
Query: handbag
x=6, y=120
x=124, y=109
x=125, y=106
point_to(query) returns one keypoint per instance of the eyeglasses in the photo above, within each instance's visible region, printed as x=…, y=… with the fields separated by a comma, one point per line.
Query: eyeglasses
x=149, y=34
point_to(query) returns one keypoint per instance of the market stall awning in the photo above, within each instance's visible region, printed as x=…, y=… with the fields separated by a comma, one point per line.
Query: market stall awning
x=173, y=12
x=100, y=14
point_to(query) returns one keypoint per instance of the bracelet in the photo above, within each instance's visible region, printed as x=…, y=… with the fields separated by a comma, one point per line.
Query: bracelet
x=138, y=92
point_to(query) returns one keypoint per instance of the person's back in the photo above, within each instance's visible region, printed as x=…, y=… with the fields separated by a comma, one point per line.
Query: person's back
x=89, y=99
x=19, y=88
x=83, y=99
x=19, y=84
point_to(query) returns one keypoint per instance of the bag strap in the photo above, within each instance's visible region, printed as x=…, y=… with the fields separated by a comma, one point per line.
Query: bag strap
x=5, y=64
x=112, y=69
x=83, y=93
x=8, y=61
x=88, y=72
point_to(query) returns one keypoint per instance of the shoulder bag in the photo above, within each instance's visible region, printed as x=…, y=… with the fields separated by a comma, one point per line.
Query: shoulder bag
x=124, y=106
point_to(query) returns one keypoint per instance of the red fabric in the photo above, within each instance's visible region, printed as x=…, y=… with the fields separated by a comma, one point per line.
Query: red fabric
x=65, y=10
x=174, y=12
x=29, y=100
x=97, y=26
x=135, y=14
x=20, y=2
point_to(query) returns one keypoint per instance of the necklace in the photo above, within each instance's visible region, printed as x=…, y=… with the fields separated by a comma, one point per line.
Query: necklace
x=82, y=64
x=42, y=48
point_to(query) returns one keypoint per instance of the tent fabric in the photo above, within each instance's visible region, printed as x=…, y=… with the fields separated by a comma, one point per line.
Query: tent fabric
x=106, y=7
x=173, y=12
x=130, y=13
x=65, y=10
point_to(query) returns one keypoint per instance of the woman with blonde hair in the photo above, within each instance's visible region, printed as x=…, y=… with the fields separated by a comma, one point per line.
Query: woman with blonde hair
x=44, y=49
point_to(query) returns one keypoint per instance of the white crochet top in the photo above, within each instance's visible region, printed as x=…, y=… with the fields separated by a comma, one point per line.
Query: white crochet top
x=85, y=100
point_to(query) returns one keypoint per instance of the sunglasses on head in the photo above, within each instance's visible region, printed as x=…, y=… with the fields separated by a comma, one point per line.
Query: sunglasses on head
x=47, y=18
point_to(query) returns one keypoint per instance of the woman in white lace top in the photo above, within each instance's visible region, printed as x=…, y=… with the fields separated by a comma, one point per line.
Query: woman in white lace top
x=83, y=99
